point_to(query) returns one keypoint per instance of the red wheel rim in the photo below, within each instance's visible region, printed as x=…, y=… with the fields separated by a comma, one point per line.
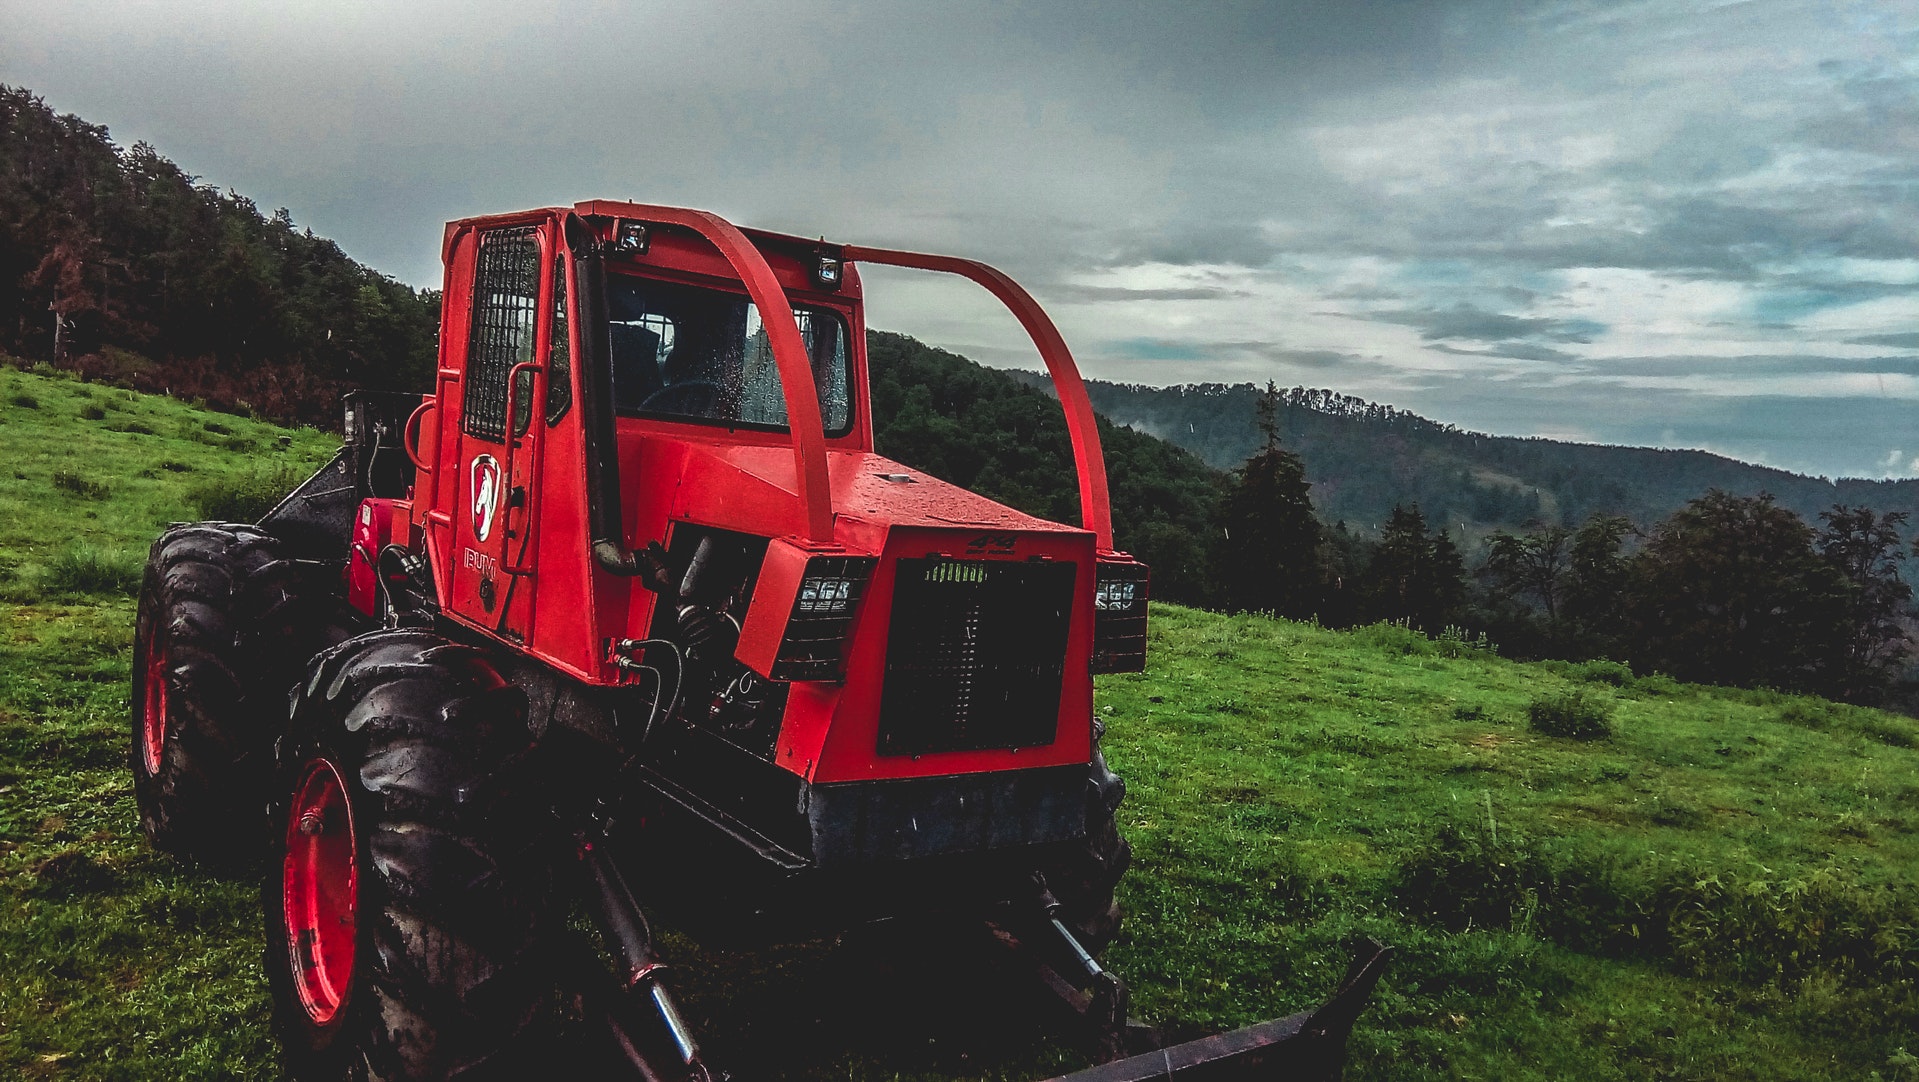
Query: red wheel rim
x=320, y=889
x=153, y=710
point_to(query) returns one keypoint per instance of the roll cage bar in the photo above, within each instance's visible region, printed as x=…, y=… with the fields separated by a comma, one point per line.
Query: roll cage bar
x=804, y=420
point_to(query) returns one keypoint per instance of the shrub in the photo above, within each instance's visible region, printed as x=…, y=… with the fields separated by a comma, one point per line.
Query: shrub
x=83, y=569
x=1571, y=714
x=79, y=486
x=1807, y=714
x=243, y=497
x=1394, y=636
x=93, y=413
x=1602, y=671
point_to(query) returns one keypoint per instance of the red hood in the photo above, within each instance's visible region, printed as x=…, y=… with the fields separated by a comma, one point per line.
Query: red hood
x=753, y=489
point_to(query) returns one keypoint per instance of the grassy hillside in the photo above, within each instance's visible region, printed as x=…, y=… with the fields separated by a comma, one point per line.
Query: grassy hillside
x=1724, y=888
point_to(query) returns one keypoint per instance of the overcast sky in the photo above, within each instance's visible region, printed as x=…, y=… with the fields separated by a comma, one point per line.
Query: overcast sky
x=1685, y=223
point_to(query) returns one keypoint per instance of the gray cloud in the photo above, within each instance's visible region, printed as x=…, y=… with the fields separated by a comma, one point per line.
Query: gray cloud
x=1095, y=294
x=1902, y=340
x=1466, y=321
x=1524, y=351
x=1408, y=198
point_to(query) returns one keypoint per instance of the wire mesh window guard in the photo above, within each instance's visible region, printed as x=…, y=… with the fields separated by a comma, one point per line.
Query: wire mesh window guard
x=506, y=292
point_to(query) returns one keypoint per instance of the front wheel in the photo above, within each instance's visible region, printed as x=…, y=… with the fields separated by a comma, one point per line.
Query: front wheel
x=407, y=915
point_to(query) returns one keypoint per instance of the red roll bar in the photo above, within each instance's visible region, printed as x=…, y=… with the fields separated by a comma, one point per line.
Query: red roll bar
x=1096, y=513
x=782, y=331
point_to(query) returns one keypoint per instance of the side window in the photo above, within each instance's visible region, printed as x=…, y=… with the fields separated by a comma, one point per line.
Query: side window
x=559, y=375
x=506, y=289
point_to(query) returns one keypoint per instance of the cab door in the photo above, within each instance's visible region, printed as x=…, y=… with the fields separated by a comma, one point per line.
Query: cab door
x=506, y=369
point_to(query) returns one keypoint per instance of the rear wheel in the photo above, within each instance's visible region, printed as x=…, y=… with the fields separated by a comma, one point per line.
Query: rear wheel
x=408, y=914
x=226, y=623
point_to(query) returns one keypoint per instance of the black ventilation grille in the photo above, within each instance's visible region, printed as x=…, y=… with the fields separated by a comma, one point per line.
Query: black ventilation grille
x=506, y=289
x=976, y=655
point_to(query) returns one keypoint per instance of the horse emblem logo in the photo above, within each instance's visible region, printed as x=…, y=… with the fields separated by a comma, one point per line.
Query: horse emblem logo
x=486, y=496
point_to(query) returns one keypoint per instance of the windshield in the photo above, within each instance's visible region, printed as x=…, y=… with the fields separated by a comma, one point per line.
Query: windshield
x=702, y=354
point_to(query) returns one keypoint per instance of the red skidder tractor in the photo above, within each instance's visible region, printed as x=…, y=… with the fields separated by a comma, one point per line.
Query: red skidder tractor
x=628, y=608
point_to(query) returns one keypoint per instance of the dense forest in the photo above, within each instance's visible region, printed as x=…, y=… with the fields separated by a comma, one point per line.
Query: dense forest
x=118, y=264
x=1363, y=458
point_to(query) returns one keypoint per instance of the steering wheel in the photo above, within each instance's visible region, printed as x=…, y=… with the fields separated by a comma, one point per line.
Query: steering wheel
x=702, y=393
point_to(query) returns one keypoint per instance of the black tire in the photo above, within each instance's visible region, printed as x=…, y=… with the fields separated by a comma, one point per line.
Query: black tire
x=226, y=625
x=1086, y=880
x=449, y=976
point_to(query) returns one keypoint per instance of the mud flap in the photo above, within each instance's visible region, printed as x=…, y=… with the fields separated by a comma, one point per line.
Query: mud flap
x=1309, y=1046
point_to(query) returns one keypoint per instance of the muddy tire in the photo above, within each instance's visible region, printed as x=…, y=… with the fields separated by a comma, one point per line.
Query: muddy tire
x=226, y=625
x=409, y=913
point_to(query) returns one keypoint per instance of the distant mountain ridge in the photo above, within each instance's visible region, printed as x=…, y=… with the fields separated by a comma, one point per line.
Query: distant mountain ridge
x=1363, y=457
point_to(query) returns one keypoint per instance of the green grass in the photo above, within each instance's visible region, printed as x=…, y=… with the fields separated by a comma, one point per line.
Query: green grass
x=114, y=962
x=1724, y=888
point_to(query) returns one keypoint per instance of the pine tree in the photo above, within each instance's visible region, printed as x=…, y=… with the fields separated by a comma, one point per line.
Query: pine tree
x=1271, y=538
x=1415, y=575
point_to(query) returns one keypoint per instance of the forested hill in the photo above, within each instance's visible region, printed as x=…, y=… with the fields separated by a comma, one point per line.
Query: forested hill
x=1362, y=458
x=117, y=263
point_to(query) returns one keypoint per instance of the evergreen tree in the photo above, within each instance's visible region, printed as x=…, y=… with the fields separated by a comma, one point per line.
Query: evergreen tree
x=1415, y=575
x=1270, y=538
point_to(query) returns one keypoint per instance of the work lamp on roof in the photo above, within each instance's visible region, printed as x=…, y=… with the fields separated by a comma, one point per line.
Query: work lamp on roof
x=631, y=238
x=826, y=271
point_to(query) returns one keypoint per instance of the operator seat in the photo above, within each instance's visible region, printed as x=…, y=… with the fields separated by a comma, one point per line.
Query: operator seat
x=636, y=365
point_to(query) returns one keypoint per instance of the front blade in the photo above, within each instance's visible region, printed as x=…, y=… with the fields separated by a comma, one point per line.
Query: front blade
x=1309, y=1046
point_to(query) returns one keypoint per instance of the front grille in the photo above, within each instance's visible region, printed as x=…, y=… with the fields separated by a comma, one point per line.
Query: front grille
x=976, y=655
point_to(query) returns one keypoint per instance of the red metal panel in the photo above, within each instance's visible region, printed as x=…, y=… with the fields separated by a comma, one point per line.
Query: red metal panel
x=1095, y=510
x=765, y=626
x=373, y=529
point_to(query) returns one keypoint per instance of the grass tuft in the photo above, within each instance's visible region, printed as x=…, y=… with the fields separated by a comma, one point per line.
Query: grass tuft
x=243, y=497
x=1570, y=714
x=83, y=569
